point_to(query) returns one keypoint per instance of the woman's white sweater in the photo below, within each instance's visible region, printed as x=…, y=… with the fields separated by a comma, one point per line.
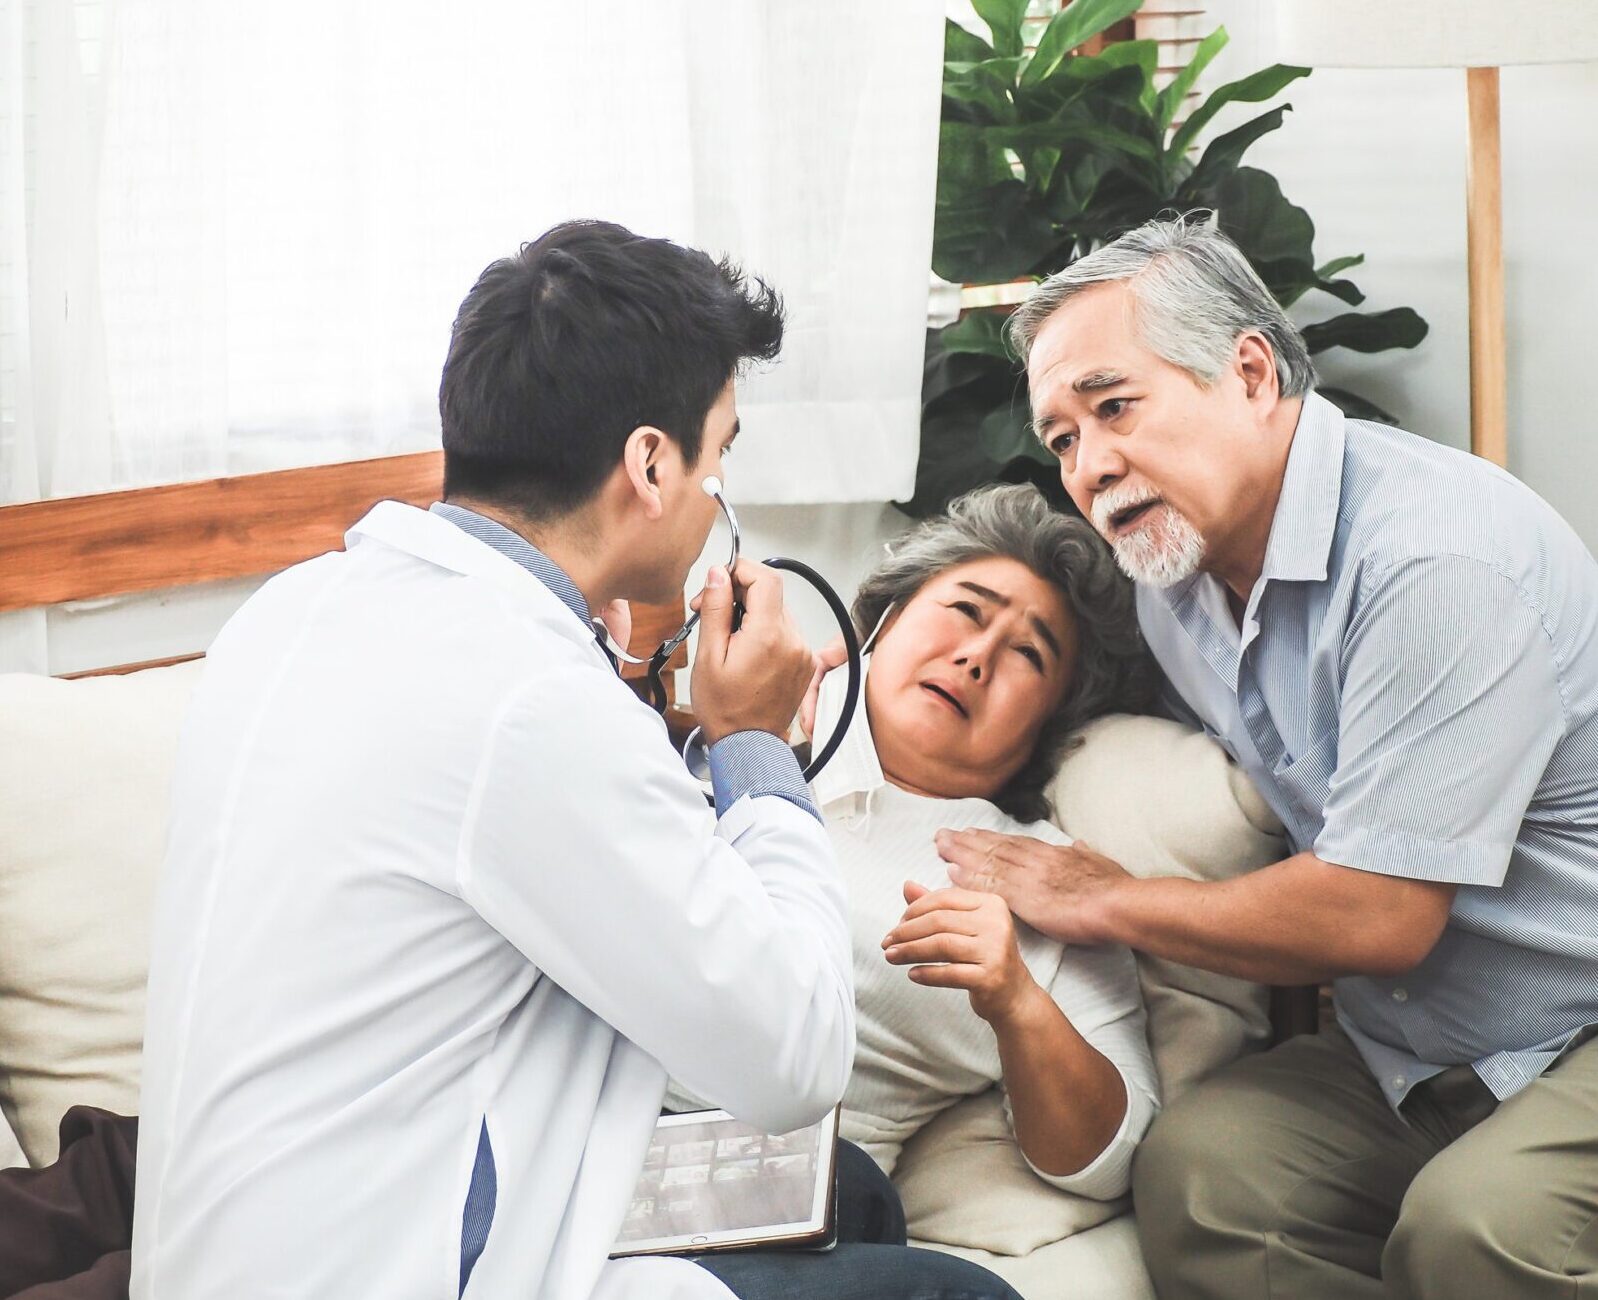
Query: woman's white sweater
x=921, y=1049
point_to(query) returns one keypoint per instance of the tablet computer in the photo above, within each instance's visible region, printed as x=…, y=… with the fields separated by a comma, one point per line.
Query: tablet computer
x=711, y=1182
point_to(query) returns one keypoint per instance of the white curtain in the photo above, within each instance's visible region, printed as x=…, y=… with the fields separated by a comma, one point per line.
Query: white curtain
x=249, y=225
x=233, y=236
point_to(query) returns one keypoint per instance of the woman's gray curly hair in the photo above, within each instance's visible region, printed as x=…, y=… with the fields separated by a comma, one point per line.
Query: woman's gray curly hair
x=1114, y=673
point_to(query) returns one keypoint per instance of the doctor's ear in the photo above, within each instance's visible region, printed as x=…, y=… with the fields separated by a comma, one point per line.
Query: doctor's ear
x=641, y=458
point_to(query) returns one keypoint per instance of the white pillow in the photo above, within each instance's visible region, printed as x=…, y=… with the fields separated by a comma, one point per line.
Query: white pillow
x=85, y=768
x=1161, y=800
x=10, y=1149
x=963, y=1182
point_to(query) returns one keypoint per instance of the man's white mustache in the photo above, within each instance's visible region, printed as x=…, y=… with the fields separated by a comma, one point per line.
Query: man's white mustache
x=1118, y=498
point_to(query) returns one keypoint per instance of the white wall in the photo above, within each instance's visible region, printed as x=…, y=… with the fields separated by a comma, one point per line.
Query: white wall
x=1377, y=158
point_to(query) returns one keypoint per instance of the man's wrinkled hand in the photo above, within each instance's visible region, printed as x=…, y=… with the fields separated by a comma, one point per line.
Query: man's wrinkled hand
x=1063, y=891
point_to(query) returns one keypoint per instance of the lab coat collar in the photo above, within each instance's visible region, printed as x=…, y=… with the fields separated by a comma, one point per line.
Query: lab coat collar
x=848, y=782
x=506, y=542
x=433, y=538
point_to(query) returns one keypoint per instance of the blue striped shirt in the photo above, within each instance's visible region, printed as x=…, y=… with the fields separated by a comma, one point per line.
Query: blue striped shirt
x=1414, y=689
x=750, y=763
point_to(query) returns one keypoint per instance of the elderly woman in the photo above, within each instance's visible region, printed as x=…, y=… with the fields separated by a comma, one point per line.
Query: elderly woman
x=996, y=631
x=993, y=632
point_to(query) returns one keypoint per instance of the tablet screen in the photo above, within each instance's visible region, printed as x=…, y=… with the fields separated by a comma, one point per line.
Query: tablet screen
x=712, y=1181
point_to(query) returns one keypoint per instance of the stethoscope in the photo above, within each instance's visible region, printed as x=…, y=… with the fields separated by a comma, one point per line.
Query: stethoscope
x=693, y=749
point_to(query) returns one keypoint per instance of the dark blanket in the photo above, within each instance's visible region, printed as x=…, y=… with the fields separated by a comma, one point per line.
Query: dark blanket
x=66, y=1232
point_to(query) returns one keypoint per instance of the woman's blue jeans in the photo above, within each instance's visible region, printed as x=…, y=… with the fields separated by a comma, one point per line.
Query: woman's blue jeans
x=870, y=1261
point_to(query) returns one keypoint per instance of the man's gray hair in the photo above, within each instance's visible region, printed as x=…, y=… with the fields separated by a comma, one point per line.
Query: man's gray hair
x=1113, y=672
x=1195, y=295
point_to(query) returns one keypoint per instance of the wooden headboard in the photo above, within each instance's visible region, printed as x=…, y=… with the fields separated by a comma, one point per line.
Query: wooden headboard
x=148, y=539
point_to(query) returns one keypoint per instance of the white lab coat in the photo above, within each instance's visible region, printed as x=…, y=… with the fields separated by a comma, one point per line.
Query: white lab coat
x=431, y=862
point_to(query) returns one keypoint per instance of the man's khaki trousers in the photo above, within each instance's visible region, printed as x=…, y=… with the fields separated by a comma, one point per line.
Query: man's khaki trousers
x=1287, y=1175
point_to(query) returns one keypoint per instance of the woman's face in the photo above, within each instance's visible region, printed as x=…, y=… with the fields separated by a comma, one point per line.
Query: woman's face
x=964, y=675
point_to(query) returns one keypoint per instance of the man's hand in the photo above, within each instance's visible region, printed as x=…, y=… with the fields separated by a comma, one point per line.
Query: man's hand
x=754, y=679
x=1059, y=890
x=830, y=656
x=975, y=936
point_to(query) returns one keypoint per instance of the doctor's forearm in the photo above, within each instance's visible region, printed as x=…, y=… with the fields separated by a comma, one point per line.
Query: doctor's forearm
x=1300, y=921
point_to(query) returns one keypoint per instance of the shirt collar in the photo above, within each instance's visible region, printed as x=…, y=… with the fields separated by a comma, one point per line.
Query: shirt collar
x=516, y=547
x=1306, y=512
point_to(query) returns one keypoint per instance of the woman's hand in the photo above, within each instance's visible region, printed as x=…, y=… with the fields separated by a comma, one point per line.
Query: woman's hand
x=830, y=656
x=974, y=934
x=1061, y=890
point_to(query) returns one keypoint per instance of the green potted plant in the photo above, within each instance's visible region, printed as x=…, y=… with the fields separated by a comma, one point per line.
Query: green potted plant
x=1043, y=156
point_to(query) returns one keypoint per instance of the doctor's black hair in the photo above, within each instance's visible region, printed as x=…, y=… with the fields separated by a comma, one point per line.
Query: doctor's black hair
x=588, y=332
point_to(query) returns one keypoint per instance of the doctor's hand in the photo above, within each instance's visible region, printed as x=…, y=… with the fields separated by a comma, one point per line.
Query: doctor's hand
x=754, y=679
x=1063, y=891
x=961, y=939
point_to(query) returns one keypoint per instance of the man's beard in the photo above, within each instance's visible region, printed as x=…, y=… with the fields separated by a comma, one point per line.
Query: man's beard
x=1164, y=550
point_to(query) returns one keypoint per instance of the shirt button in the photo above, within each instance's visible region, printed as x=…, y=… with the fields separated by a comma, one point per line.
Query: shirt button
x=1398, y=1081
x=1400, y=995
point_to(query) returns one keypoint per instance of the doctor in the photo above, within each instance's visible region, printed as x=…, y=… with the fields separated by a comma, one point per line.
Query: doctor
x=442, y=907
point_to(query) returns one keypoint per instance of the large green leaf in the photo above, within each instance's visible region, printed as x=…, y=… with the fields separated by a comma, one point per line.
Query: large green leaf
x=1339, y=264
x=1249, y=90
x=969, y=158
x=1115, y=87
x=981, y=332
x=1080, y=128
x=1356, y=407
x=1142, y=55
x=1252, y=211
x=974, y=424
x=961, y=46
x=1170, y=99
x=1003, y=18
x=1223, y=153
x=989, y=235
x=987, y=84
x=1077, y=23
x=1399, y=327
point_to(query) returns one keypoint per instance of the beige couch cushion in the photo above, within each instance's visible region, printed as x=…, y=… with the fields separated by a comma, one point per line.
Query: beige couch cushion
x=1103, y=1263
x=1165, y=801
x=964, y=1183
x=1161, y=800
x=10, y=1149
x=84, y=774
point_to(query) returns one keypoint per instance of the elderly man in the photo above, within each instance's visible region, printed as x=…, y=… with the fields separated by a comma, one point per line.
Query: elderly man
x=1399, y=643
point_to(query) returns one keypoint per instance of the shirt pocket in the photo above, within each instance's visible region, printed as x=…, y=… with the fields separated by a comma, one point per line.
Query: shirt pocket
x=1306, y=780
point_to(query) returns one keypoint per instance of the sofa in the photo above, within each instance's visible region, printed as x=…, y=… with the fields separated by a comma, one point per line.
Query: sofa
x=84, y=770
